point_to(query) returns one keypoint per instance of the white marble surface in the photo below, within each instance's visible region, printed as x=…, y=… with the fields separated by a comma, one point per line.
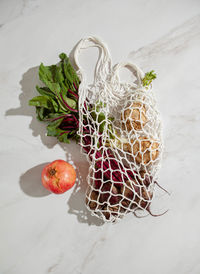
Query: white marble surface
x=42, y=233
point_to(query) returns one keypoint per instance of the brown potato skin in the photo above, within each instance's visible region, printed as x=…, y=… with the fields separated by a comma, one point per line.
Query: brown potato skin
x=134, y=117
x=144, y=149
x=110, y=210
x=136, y=194
x=93, y=196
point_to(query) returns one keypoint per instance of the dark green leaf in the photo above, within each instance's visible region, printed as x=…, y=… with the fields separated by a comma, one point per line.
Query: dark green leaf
x=101, y=117
x=45, y=74
x=52, y=128
x=54, y=104
x=54, y=124
x=69, y=73
x=42, y=113
x=71, y=102
x=101, y=127
x=111, y=118
x=94, y=115
x=45, y=91
x=62, y=56
x=64, y=138
x=57, y=75
x=54, y=87
x=45, y=102
x=40, y=101
x=56, y=115
x=48, y=75
x=64, y=88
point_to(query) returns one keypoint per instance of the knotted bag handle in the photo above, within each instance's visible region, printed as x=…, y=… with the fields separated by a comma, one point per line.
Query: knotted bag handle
x=103, y=65
x=138, y=73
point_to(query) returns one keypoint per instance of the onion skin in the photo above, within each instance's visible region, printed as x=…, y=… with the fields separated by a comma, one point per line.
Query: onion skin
x=58, y=176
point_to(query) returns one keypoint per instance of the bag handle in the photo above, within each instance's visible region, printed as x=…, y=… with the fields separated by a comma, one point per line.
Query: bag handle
x=103, y=65
x=138, y=73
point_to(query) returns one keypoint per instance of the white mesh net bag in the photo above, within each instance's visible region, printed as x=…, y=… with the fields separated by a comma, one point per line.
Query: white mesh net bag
x=120, y=132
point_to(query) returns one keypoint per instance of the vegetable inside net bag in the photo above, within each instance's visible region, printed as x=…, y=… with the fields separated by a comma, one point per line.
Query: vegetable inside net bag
x=120, y=132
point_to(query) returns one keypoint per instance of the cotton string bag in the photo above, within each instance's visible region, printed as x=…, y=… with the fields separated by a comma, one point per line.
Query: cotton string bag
x=120, y=132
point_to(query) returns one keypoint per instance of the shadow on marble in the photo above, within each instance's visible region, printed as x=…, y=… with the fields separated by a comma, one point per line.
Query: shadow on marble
x=30, y=182
x=77, y=207
x=28, y=82
x=76, y=202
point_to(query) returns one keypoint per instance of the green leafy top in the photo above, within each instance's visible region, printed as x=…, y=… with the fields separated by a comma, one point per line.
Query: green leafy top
x=58, y=100
x=148, y=78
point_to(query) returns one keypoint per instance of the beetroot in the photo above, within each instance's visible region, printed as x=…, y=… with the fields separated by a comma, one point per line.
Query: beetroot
x=109, y=194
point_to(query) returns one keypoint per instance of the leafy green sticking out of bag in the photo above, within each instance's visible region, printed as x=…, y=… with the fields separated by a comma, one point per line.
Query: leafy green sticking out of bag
x=57, y=103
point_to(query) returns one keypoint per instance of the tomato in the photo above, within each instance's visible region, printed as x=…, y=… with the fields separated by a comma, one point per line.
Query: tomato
x=58, y=176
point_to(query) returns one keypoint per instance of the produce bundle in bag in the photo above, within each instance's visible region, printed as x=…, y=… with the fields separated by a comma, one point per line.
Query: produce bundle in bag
x=120, y=131
x=116, y=123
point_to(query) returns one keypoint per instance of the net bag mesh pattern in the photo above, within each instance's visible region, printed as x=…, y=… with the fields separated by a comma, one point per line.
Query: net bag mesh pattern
x=120, y=132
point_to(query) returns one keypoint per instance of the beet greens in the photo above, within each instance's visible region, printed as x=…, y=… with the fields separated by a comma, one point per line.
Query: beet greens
x=57, y=103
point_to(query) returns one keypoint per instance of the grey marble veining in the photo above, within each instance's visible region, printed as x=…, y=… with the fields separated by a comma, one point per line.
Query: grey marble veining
x=44, y=233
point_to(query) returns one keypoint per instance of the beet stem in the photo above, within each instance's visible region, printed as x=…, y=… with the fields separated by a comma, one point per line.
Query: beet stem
x=62, y=116
x=65, y=103
x=73, y=93
x=156, y=215
x=161, y=187
x=75, y=86
x=67, y=131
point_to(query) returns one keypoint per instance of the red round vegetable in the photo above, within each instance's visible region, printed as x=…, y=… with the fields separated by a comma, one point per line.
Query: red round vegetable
x=58, y=176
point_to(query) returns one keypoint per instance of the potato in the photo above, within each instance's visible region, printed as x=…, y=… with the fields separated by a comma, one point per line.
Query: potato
x=136, y=194
x=93, y=196
x=134, y=117
x=144, y=149
x=108, y=211
x=108, y=197
x=148, y=148
x=147, y=195
x=128, y=190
